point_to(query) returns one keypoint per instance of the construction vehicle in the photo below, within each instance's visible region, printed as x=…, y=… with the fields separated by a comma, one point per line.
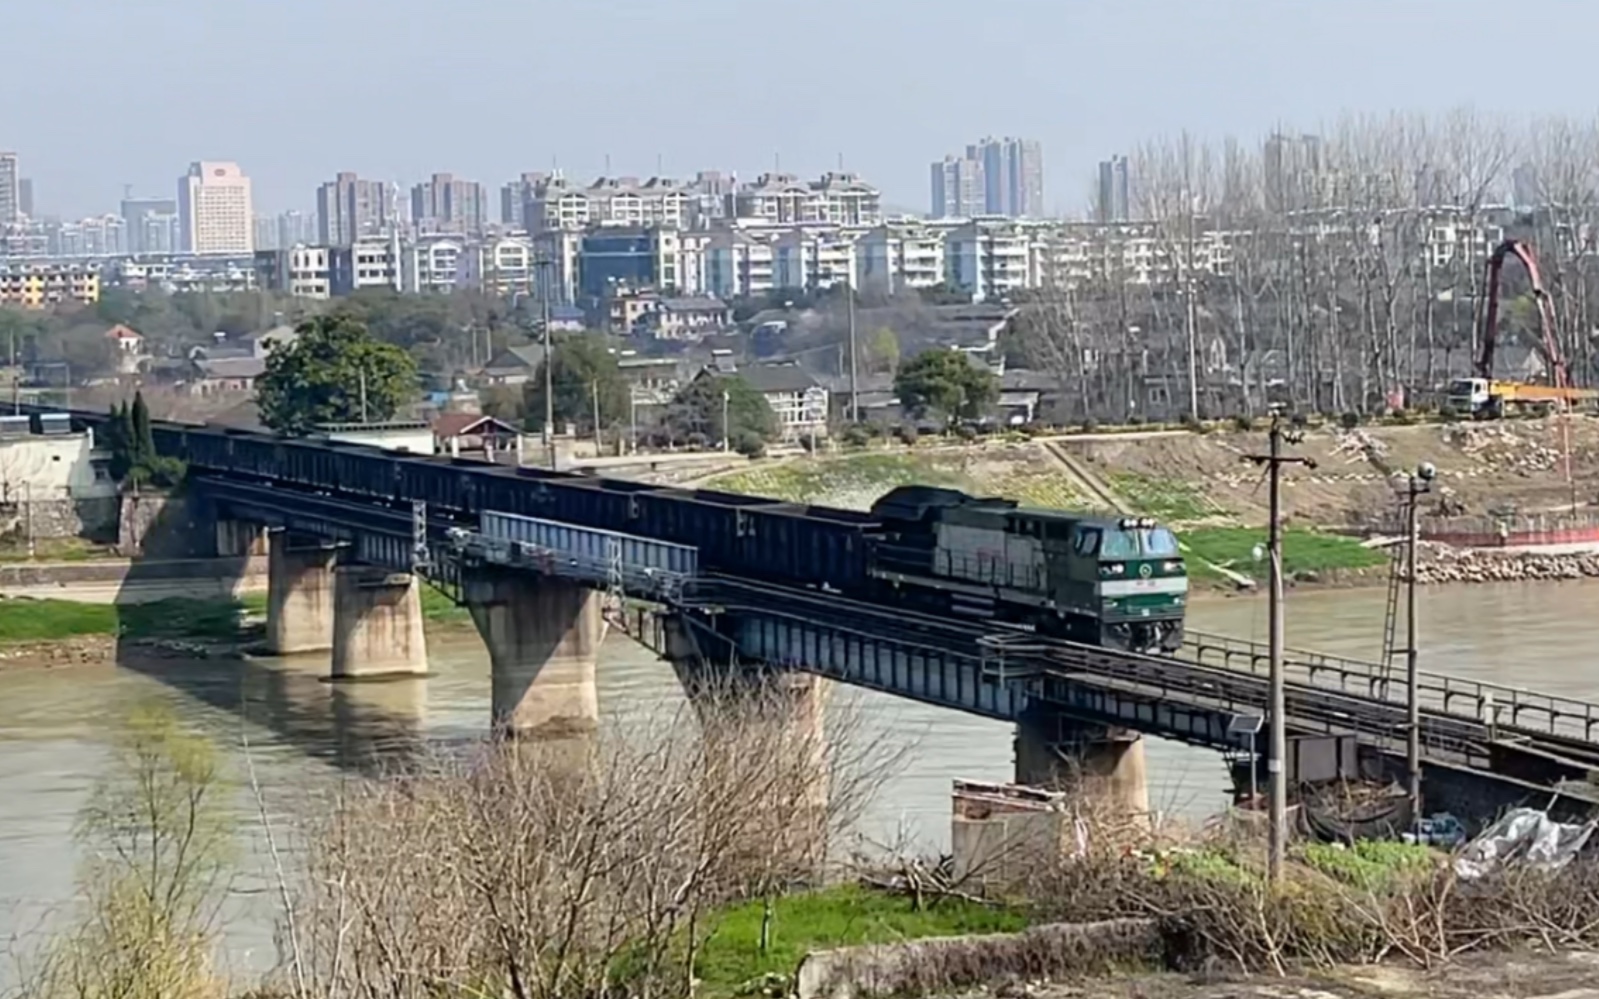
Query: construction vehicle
x=1485, y=397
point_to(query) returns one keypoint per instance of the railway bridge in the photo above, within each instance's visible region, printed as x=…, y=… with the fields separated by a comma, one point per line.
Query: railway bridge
x=545, y=561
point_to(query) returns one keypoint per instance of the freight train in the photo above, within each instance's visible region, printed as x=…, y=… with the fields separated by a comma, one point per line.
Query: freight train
x=1104, y=582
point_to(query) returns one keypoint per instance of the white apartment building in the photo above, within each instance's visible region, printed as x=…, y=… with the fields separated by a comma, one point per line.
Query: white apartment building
x=214, y=210
x=371, y=262
x=990, y=258
x=503, y=265
x=841, y=199
x=897, y=256
x=814, y=258
x=431, y=264
x=557, y=203
x=737, y=264
x=306, y=271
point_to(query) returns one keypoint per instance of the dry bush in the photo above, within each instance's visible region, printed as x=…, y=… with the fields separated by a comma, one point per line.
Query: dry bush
x=531, y=871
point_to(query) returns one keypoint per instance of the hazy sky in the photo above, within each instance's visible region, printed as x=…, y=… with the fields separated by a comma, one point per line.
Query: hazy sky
x=102, y=93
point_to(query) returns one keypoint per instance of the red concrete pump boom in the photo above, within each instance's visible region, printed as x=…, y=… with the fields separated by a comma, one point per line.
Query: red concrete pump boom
x=1548, y=345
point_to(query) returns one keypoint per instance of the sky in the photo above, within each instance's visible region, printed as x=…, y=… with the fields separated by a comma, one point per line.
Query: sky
x=107, y=93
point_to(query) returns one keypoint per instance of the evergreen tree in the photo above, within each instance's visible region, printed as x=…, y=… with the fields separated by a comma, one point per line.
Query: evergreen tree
x=143, y=443
x=117, y=441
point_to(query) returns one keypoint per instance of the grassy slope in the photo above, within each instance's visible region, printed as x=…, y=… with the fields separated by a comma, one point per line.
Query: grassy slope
x=833, y=918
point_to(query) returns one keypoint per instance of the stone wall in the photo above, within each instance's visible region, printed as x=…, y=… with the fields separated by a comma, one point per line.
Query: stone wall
x=157, y=525
x=95, y=519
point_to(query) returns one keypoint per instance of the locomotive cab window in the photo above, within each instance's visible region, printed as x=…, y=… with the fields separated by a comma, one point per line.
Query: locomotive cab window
x=1160, y=543
x=1086, y=541
x=1119, y=544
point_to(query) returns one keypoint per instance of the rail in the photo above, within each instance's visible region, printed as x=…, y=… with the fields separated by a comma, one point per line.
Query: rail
x=1499, y=707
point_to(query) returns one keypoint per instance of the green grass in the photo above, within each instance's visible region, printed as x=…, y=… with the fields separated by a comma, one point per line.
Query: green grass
x=24, y=620
x=440, y=609
x=832, y=918
x=56, y=550
x=1304, y=551
x=1369, y=864
x=1170, y=500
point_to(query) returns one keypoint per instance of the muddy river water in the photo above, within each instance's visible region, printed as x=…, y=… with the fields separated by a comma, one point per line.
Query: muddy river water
x=54, y=725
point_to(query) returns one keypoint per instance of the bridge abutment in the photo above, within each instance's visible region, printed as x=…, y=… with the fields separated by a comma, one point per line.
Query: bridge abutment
x=543, y=637
x=299, y=594
x=377, y=624
x=1099, y=762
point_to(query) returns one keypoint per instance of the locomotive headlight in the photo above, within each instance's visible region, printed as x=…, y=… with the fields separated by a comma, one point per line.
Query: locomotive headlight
x=1112, y=569
x=1172, y=567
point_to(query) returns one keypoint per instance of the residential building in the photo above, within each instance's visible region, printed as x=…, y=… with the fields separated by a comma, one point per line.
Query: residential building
x=797, y=399
x=41, y=284
x=10, y=193
x=1292, y=166
x=174, y=273
x=431, y=264
x=669, y=318
x=104, y=236
x=989, y=258
x=958, y=191
x=1111, y=201
x=446, y=204
x=738, y=264
x=834, y=198
x=614, y=257
x=517, y=196
x=502, y=265
x=214, y=215
x=899, y=255
x=25, y=197
x=128, y=345
x=812, y=258
x=349, y=208
x=301, y=271
x=456, y=434
x=369, y=262
x=151, y=225
x=1012, y=172
x=557, y=203
x=514, y=365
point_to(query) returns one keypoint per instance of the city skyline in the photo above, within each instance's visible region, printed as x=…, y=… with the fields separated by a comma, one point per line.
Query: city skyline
x=1216, y=71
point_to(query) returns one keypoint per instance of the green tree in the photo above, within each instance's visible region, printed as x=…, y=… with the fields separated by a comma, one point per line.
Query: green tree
x=336, y=372
x=698, y=406
x=583, y=365
x=882, y=351
x=119, y=439
x=947, y=382
x=142, y=445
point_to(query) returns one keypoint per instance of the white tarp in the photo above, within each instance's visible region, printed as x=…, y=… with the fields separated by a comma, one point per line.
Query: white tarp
x=1523, y=836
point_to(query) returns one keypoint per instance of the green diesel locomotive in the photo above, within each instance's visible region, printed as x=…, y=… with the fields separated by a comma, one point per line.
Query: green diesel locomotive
x=1118, y=583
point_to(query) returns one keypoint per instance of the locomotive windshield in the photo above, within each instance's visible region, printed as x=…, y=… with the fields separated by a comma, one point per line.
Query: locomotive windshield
x=1154, y=542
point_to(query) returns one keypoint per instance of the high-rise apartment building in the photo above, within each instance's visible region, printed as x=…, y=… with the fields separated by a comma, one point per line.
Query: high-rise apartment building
x=349, y=208
x=214, y=210
x=1013, y=176
x=25, y=196
x=152, y=224
x=445, y=203
x=516, y=196
x=1111, y=203
x=10, y=196
x=958, y=191
x=1292, y=165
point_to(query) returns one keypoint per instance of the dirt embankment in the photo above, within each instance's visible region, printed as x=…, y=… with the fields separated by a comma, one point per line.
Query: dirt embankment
x=1483, y=468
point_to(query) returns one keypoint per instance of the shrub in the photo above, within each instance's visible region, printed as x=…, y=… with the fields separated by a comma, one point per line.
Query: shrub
x=857, y=435
x=1448, y=413
x=1090, y=426
x=966, y=432
x=749, y=444
x=1299, y=420
x=1243, y=422
x=1349, y=420
x=1135, y=420
x=906, y=432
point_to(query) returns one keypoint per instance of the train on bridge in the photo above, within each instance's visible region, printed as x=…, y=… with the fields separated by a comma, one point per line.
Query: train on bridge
x=1119, y=583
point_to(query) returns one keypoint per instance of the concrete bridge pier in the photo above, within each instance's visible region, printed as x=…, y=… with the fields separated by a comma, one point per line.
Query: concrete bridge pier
x=239, y=539
x=1098, y=762
x=377, y=624
x=543, y=637
x=299, y=594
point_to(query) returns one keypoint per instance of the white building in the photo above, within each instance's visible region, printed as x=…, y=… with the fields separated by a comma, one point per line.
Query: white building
x=737, y=264
x=813, y=258
x=897, y=256
x=214, y=210
x=990, y=258
x=431, y=264
x=836, y=198
x=504, y=265
x=557, y=203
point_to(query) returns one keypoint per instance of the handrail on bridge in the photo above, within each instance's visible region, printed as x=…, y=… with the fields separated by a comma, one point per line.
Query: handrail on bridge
x=1490, y=702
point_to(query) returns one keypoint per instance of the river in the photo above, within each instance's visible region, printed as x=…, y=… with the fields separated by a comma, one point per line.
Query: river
x=54, y=725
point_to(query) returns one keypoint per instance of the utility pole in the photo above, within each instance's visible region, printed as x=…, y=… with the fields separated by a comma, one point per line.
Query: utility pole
x=727, y=436
x=595, y=388
x=1417, y=484
x=363, y=396
x=542, y=263
x=16, y=377
x=1277, y=737
x=854, y=364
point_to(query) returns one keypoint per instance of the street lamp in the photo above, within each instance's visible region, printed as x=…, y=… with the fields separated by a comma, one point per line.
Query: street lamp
x=1416, y=484
x=727, y=437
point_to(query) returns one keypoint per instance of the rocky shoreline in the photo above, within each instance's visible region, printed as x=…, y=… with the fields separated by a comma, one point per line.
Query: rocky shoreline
x=1438, y=564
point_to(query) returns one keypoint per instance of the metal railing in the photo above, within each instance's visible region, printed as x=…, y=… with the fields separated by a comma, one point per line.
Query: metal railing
x=1494, y=705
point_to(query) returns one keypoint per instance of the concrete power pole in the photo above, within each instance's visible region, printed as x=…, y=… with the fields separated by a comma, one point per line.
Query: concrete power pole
x=1277, y=736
